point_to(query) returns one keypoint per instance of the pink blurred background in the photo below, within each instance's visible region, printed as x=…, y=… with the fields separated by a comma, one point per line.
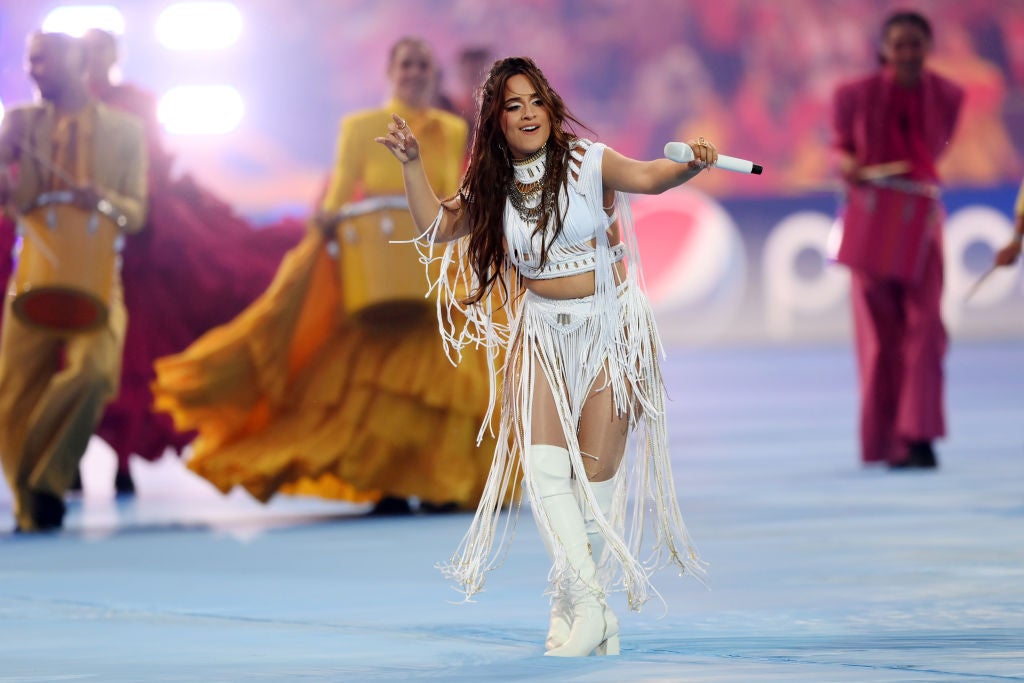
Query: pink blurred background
x=729, y=257
x=754, y=75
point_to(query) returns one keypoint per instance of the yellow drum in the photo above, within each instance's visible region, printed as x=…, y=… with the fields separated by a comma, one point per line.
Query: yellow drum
x=380, y=282
x=66, y=262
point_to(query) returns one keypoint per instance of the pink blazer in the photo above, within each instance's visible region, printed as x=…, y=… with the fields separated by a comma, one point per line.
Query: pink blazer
x=859, y=115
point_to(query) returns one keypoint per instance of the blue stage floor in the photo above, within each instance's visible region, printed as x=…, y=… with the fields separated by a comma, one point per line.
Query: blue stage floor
x=820, y=570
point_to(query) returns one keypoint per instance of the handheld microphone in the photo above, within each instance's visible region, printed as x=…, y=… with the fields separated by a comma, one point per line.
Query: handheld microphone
x=682, y=153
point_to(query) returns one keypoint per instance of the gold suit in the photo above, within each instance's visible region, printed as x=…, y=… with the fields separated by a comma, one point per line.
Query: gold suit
x=53, y=387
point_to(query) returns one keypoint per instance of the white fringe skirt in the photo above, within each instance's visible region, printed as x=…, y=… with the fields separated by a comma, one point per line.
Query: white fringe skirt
x=577, y=347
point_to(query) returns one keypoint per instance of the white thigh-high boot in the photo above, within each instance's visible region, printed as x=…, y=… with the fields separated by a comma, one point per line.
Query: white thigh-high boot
x=550, y=474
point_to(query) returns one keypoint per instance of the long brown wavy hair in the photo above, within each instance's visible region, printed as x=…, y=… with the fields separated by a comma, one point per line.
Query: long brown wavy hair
x=490, y=172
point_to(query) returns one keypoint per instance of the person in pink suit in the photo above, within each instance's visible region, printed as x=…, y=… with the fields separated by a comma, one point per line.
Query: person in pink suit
x=890, y=129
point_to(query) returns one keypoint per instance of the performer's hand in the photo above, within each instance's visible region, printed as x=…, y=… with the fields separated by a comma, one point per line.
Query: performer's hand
x=327, y=223
x=704, y=154
x=1008, y=255
x=400, y=140
x=850, y=170
x=86, y=197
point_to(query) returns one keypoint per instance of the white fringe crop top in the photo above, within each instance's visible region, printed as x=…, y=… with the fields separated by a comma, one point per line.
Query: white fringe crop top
x=581, y=204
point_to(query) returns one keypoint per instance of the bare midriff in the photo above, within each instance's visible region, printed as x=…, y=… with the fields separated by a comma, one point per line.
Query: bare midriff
x=579, y=285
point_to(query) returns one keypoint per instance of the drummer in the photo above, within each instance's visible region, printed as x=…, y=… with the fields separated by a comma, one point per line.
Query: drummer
x=54, y=385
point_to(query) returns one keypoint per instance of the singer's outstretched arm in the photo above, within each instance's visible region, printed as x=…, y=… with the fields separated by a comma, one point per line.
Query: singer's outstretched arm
x=623, y=174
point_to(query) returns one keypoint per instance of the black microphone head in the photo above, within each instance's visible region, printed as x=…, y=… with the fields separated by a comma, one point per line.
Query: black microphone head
x=758, y=168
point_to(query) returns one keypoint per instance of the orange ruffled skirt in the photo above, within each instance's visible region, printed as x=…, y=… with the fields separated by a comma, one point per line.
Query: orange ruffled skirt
x=295, y=395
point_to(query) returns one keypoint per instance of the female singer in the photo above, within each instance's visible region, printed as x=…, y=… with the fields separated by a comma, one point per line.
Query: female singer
x=542, y=218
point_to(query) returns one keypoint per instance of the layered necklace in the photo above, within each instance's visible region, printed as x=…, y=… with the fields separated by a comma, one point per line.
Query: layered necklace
x=526, y=189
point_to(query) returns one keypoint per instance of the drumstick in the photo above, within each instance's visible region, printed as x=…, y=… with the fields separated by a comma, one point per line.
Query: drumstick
x=63, y=175
x=977, y=283
x=57, y=171
x=865, y=173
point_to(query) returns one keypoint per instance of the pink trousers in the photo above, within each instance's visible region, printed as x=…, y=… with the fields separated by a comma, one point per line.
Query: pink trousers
x=900, y=344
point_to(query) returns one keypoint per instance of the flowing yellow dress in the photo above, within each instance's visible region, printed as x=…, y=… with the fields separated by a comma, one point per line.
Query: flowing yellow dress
x=298, y=394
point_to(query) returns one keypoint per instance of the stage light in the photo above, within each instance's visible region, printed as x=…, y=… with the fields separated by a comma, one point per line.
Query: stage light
x=77, y=19
x=199, y=26
x=201, y=110
x=2, y=110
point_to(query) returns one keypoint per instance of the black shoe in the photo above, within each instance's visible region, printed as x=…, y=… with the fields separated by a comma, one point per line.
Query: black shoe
x=391, y=507
x=48, y=511
x=124, y=485
x=920, y=456
x=429, y=508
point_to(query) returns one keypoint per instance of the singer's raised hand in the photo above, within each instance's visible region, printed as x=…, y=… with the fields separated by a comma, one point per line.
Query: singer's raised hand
x=400, y=140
